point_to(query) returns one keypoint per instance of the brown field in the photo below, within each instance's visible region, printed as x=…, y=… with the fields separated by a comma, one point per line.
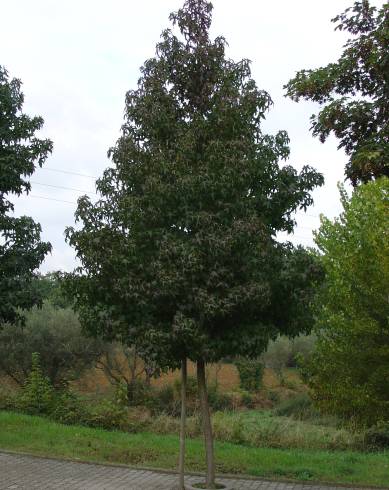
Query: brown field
x=224, y=375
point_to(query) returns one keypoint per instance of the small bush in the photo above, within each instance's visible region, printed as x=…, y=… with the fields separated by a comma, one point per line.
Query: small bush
x=69, y=410
x=247, y=399
x=165, y=402
x=37, y=397
x=191, y=387
x=142, y=394
x=164, y=424
x=219, y=401
x=229, y=427
x=166, y=395
x=273, y=396
x=377, y=437
x=299, y=407
x=250, y=374
x=107, y=415
x=9, y=399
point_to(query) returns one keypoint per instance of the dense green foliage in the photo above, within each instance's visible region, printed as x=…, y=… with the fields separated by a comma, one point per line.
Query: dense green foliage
x=48, y=286
x=349, y=372
x=38, y=394
x=284, y=353
x=179, y=255
x=21, y=249
x=250, y=374
x=54, y=333
x=354, y=92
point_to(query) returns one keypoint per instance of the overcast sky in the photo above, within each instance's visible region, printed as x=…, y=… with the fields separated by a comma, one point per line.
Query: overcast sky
x=77, y=59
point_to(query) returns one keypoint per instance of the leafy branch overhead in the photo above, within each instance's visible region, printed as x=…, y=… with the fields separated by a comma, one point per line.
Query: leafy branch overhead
x=21, y=249
x=180, y=251
x=354, y=92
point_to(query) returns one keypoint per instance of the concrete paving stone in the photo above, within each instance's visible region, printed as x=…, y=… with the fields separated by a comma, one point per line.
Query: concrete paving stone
x=20, y=472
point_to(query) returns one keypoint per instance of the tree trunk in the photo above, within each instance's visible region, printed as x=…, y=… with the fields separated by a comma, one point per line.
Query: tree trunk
x=207, y=427
x=148, y=374
x=181, y=464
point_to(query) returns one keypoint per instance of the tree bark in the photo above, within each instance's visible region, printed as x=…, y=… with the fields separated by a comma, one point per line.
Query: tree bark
x=181, y=464
x=207, y=427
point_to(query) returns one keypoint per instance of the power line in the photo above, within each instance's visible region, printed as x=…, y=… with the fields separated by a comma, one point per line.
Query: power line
x=69, y=172
x=63, y=187
x=52, y=199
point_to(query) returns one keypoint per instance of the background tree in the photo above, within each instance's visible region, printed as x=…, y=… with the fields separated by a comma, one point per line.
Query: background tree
x=122, y=365
x=56, y=335
x=354, y=92
x=180, y=256
x=21, y=249
x=349, y=370
x=49, y=287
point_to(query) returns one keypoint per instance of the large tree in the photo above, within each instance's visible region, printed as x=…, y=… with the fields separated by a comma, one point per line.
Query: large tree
x=354, y=92
x=21, y=249
x=180, y=253
x=349, y=371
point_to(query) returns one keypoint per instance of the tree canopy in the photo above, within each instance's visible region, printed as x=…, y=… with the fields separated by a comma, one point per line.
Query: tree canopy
x=354, y=92
x=181, y=249
x=349, y=371
x=21, y=249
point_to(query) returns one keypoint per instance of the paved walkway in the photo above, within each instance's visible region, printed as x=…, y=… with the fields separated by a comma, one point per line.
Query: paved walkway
x=26, y=472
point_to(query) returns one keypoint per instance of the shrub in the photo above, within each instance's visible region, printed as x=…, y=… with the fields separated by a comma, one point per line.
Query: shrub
x=191, y=387
x=273, y=396
x=164, y=400
x=247, y=399
x=9, y=399
x=377, y=437
x=69, y=410
x=165, y=424
x=54, y=333
x=37, y=397
x=219, y=401
x=108, y=415
x=250, y=374
x=142, y=394
x=299, y=407
x=166, y=395
x=229, y=427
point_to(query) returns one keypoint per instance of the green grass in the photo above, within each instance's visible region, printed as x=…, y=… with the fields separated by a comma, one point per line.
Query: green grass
x=39, y=436
x=262, y=428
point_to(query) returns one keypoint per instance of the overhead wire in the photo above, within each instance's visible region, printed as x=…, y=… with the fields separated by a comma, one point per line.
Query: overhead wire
x=63, y=187
x=69, y=172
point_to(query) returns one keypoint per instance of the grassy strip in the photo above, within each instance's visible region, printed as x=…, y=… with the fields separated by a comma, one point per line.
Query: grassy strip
x=45, y=438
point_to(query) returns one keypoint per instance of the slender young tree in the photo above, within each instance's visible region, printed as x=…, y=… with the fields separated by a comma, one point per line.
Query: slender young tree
x=348, y=372
x=21, y=248
x=180, y=253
